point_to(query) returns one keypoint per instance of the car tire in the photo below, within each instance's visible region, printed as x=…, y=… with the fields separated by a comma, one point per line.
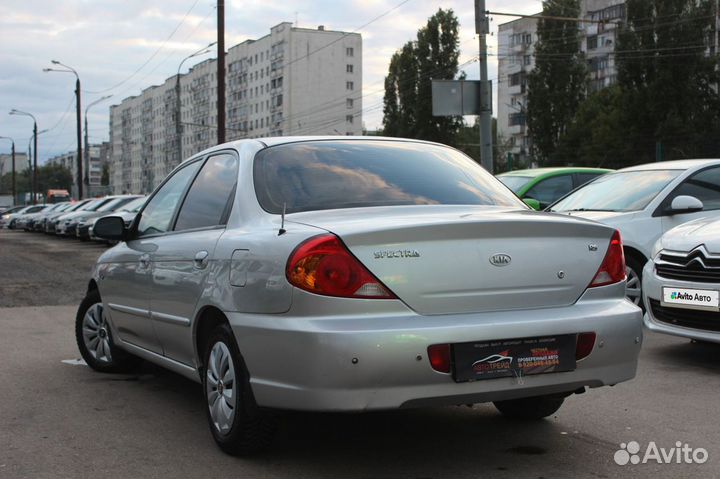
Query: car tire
x=633, y=288
x=538, y=407
x=94, y=338
x=238, y=425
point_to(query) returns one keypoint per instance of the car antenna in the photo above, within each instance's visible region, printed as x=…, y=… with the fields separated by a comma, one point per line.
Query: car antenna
x=282, y=221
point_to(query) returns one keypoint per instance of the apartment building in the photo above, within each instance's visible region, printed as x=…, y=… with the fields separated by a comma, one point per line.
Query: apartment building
x=293, y=81
x=516, y=46
x=21, y=163
x=98, y=154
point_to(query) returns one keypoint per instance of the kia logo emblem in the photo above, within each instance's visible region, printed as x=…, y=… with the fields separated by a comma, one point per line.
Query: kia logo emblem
x=500, y=259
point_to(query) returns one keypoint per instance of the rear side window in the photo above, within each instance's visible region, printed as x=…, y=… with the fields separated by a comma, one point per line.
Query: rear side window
x=319, y=175
x=210, y=197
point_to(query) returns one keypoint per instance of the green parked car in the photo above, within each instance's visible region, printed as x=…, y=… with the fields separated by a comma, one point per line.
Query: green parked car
x=540, y=187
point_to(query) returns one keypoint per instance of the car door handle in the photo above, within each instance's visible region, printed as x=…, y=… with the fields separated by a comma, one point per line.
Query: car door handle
x=145, y=261
x=201, y=259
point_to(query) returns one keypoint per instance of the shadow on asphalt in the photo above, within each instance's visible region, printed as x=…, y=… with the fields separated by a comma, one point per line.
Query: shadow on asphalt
x=435, y=436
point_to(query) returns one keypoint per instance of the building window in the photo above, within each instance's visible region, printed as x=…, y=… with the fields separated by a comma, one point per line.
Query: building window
x=526, y=60
x=349, y=102
x=349, y=85
x=349, y=68
x=279, y=100
x=516, y=119
x=592, y=42
x=350, y=51
x=517, y=79
x=349, y=119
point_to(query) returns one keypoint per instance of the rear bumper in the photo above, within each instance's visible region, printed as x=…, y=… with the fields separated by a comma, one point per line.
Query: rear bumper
x=652, y=290
x=365, y=362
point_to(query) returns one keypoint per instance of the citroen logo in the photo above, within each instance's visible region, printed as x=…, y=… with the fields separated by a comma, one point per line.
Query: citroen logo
x=500, y=259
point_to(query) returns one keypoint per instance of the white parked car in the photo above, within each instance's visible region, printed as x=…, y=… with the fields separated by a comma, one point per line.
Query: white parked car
x=645, y=201
x=681, y=286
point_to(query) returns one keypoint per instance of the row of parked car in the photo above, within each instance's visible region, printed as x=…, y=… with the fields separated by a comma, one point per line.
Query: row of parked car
x=72, y=219
x=393, y=273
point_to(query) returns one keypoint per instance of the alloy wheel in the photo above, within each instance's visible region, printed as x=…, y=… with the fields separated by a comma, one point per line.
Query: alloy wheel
x=633, y=287
x=96, y=333
x=220, y=387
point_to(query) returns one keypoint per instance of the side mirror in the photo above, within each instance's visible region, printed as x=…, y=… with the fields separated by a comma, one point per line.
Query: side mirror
x=532, y=203
x=110, y=228
x=684, y=204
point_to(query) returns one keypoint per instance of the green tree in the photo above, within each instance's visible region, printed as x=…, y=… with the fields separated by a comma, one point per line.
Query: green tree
x=557, y=84
x=407, y=105
x=50, y=176
x=401, y=93
x=668, y=82
x=595, y=137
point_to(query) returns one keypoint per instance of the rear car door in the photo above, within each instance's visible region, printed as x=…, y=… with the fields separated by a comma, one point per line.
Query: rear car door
x=182, y=260
x=703, y=185
x=127, y=282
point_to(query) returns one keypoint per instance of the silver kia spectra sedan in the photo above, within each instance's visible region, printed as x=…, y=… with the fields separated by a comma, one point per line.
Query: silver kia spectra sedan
x=356, y=274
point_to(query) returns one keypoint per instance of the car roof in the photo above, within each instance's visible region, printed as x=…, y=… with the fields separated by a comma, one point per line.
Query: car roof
x=674, y=165
x=535, y=172
x=282, y=140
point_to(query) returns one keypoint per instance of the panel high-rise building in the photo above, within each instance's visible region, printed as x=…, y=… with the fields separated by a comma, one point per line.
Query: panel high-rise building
x=293, y=81
x=516, y=47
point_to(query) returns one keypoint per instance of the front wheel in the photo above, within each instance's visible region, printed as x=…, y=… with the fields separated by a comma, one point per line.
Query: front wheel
x=530, y=408
x=94, y=339
x=238, y=426
x=633, y=287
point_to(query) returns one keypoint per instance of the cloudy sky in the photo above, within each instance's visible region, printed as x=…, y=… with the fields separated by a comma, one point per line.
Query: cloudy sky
x=120, y=47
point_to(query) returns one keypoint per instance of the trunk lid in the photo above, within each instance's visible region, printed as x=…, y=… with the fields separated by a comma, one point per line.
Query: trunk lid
x=457, y=259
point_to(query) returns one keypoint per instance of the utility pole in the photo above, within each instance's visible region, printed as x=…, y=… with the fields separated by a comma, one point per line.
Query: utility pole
x=482, y=28
x=78, y=113
x=34, y=179
x=220, y=71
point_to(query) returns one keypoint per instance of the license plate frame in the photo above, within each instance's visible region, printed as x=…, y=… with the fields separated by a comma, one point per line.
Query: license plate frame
x=687, y=298
x=516, y=357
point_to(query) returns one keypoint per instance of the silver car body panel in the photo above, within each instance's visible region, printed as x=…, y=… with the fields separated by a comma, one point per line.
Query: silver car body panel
x=299, y=346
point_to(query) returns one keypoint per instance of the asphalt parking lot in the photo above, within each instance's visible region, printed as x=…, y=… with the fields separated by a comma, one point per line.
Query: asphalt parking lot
x=60, y=419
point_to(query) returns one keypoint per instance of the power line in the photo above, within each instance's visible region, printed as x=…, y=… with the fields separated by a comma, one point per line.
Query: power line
x=151, y=56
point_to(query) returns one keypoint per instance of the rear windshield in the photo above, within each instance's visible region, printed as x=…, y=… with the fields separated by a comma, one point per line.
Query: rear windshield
x=320, y=175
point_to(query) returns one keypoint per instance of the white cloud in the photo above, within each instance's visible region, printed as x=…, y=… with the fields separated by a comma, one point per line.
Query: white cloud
x=107, y=41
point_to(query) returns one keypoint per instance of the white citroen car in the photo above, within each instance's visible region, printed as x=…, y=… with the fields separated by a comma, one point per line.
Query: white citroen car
x=681, y=286
x=645, y=201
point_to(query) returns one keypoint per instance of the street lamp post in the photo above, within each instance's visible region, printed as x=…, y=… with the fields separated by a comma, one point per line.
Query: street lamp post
x=78, y=112
x=14, y=193
x=33, y=188
x=87, y=143
x=178, y=121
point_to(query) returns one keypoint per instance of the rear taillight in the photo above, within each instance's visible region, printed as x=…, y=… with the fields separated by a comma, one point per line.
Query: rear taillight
x=323, y=265
x=612, y=269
